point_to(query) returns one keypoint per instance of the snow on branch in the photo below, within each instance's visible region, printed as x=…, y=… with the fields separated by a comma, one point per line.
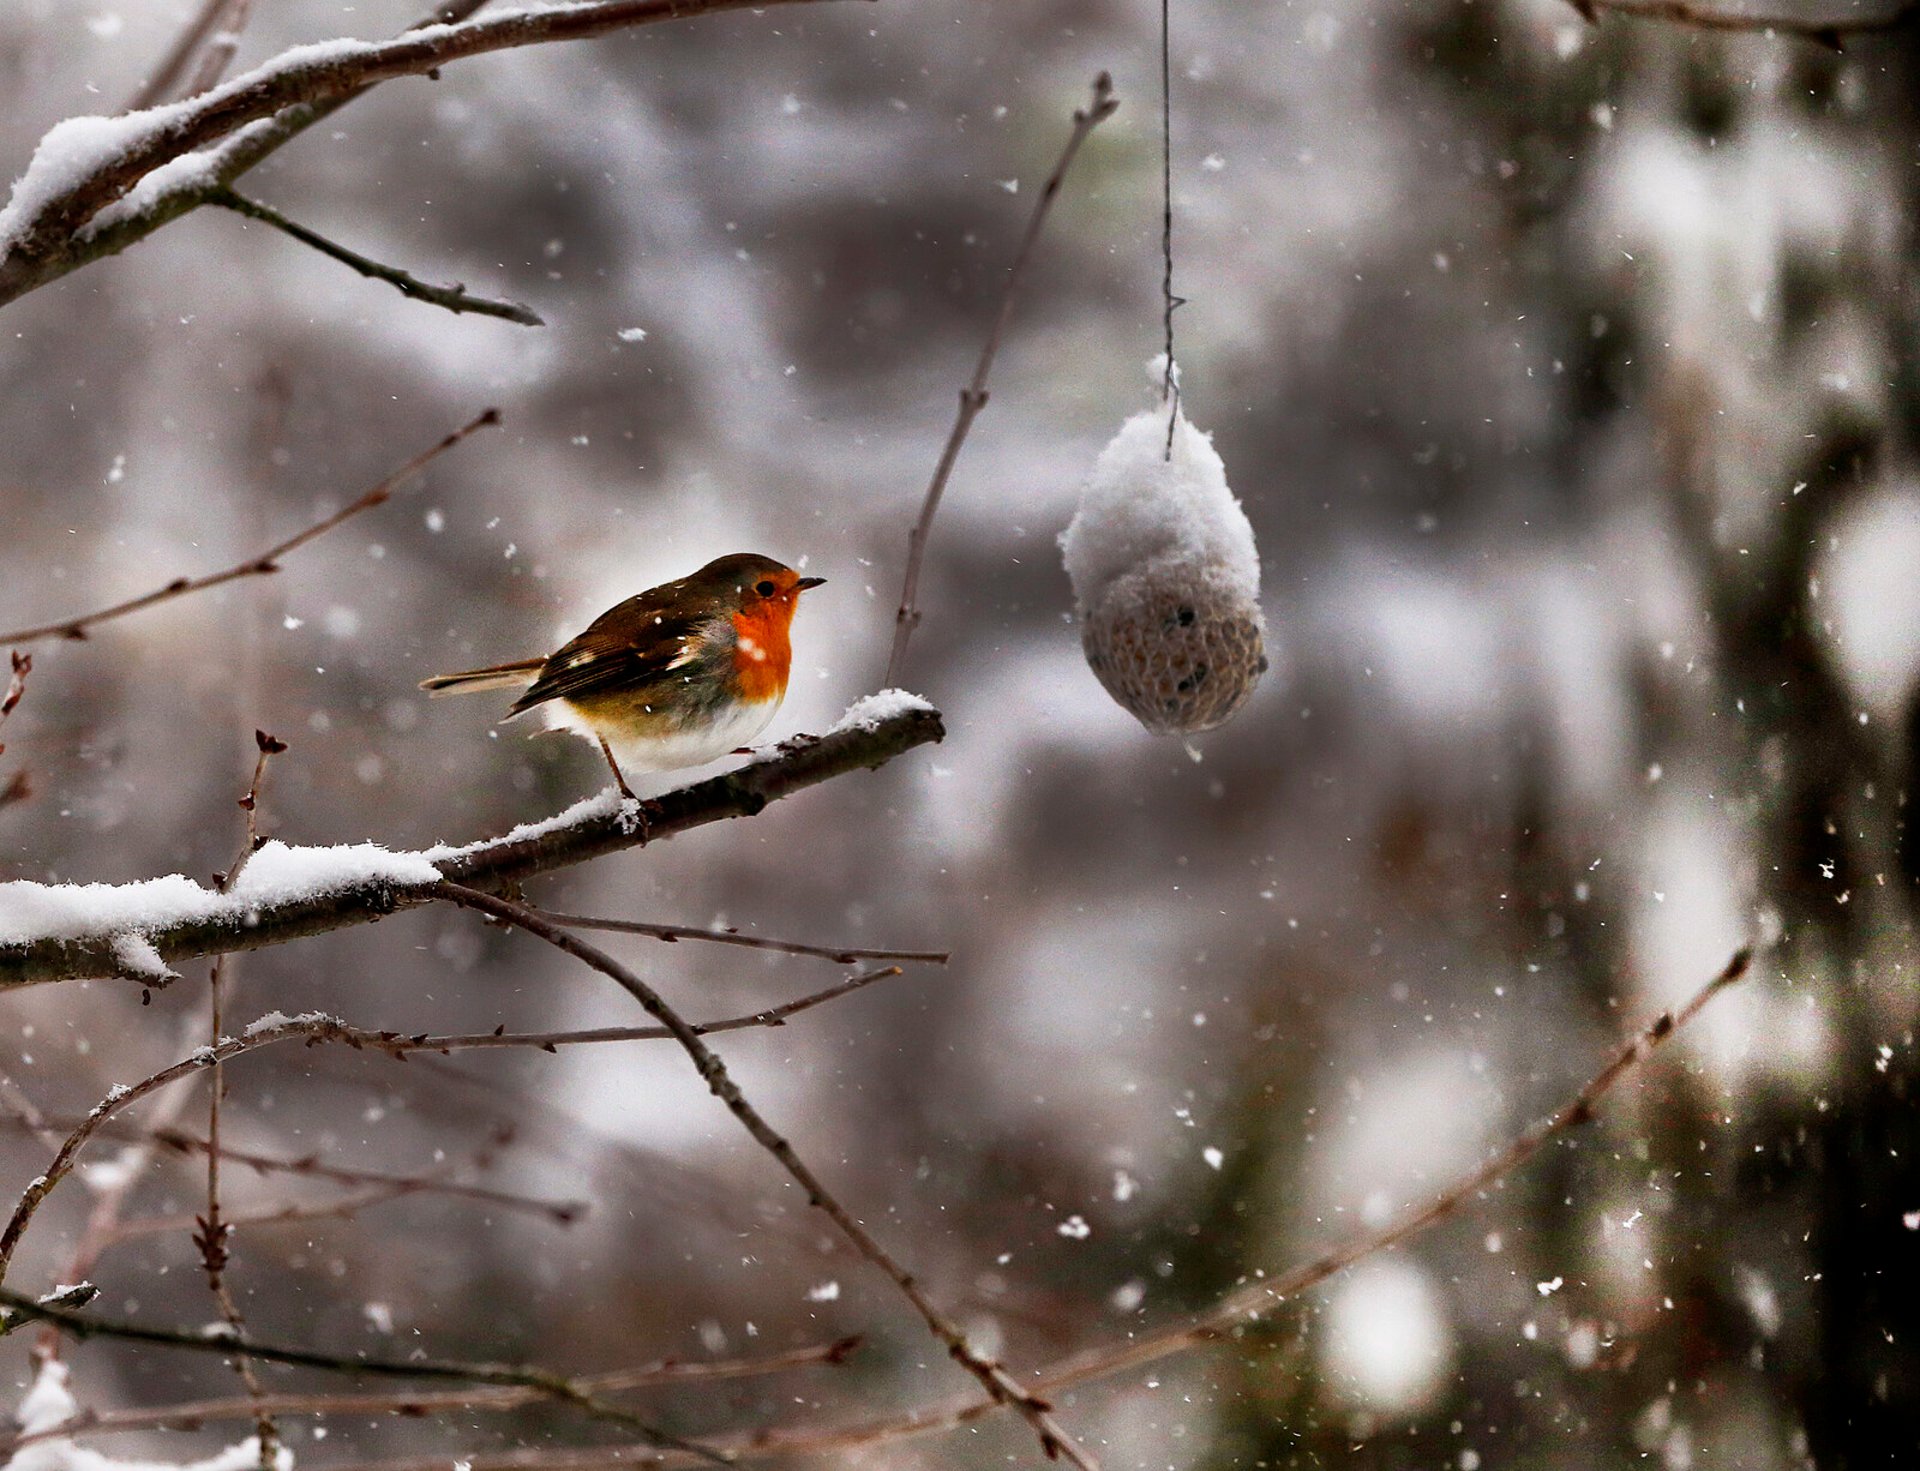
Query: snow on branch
x=52, y=932
x=97, y=184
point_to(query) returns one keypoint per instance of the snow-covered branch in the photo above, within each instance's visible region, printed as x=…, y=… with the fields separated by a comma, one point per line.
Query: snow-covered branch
x=52, y=932
x=98, y=184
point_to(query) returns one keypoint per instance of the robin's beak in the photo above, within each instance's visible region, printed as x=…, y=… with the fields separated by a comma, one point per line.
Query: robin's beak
x=806, y=582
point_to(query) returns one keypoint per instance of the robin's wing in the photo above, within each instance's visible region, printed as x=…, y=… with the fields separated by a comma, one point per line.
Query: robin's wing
x=626, y=648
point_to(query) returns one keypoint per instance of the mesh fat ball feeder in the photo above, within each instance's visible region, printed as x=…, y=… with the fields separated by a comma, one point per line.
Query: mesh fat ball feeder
x=1166, y=577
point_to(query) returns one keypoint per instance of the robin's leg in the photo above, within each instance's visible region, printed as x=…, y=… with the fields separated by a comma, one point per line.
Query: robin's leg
x=607, y=751
x=646, y=809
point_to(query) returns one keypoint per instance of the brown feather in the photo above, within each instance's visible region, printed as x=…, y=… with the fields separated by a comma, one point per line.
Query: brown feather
x=517, y=675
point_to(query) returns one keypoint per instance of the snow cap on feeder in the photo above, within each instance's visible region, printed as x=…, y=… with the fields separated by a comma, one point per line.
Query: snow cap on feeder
x=1167, y=577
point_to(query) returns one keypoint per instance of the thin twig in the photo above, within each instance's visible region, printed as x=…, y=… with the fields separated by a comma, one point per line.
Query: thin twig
x=317, y=1029
x=110, y=1197
x=292, y=1029
x=256, y=566
x=993, y=1377
x=973, y=398
x=221, y=48
x=27, y=1112
x=16, y=682
x=558, y=1387
x=773, y=1016
x=1830, y=32
x=18, y=787
x=662, y=1372
x=841, y=954
x=560, y=1212
x=212, y=1233
x=344, y=1208
x=1232, y=1311
x=173, y=66
x=455, y=298
x=600, y=826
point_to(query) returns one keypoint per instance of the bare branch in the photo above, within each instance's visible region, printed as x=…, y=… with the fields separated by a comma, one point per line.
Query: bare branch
x=544, y=1382
x=212, y=1232
x=561, y=1212
x=256, y=566
x=973, y=398
x=661, y=1373
x=993, y=1377
x=187, y=45
x=842, y=954
x=219, y=54
x=1830, y=32
x=318, y=1029
x=1231, y=1312
x=599, y=826
x=121, y=1097
x=343, y=1208
x=54, y=240
x=774, y=1016
x=454, y=298
x=18, y=787
x=16, y=682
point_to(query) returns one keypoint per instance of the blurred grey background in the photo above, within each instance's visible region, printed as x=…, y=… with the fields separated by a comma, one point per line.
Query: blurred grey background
x=1568, y=376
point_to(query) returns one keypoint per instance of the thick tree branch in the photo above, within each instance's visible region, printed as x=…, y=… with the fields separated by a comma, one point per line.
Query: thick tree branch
x=592, y=829
x=259, y=565
x=455, y=298
x=53, y=237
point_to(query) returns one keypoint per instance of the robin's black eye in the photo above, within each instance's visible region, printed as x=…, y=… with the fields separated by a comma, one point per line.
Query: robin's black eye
x=765, y=589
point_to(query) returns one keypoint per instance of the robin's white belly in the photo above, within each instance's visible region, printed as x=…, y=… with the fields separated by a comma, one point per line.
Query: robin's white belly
x=667, y=750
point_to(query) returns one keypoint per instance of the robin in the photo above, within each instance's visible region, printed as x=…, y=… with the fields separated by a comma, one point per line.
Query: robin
x=678, y=676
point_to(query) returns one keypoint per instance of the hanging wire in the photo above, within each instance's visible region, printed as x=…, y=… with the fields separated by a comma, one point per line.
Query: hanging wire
x=1170, y=388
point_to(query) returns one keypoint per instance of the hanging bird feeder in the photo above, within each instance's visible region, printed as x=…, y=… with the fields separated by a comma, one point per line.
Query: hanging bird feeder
x=1166, y=578
x=1161, y=557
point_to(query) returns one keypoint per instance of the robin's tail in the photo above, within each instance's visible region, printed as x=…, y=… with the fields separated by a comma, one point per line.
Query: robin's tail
x=517, y=675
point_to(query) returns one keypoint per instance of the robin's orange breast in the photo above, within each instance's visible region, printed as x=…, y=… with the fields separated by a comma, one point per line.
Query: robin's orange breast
x=763, y=655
